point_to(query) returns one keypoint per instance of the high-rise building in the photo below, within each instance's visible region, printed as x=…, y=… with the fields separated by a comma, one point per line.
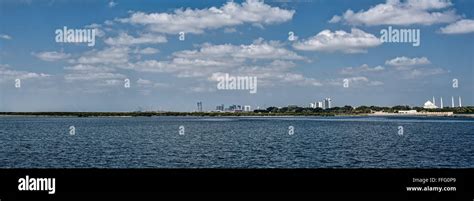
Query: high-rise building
x=327, y=103
x=235, y=108
x=247, y=108
x=199, y=106
x=220, y=107
x=312, y=105
x=319, y=104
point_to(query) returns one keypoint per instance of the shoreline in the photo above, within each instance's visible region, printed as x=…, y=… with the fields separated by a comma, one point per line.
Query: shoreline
x=191, y=114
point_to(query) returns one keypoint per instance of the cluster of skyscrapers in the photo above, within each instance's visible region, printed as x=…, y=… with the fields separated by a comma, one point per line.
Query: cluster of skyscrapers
x=231, y=108
x=234, y=108
x=324, y=104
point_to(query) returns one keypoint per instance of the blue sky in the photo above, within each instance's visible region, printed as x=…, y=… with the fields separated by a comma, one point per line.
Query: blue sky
x=138, y=40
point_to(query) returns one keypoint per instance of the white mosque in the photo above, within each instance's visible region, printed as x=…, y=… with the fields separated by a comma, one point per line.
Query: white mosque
x=432, y=104
x=429, y=105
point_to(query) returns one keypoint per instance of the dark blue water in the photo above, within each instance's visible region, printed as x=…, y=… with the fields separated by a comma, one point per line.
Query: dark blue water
x=317, y=142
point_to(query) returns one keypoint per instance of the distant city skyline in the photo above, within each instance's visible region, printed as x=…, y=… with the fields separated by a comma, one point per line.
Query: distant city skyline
x=169, y=55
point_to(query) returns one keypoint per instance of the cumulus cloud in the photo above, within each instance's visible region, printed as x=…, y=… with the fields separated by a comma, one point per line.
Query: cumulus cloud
x=51, y=56
x=89, y=68
x=259, y=49
x=197, y=20
x=109, y=55
x=6, y=73
x=403, y=61
x=396, y=12
x=276, y=73
x=423, y=72
x=127, y=40
x=147, y=50
x=96, y=75
x=411, y=68
x=357, y=41
x=93, y=76
x=355, y=81
x=269, y=61
x=361, y=69
x=144, y=83
x=141, y=81
x=460, y=27
x=211, y=58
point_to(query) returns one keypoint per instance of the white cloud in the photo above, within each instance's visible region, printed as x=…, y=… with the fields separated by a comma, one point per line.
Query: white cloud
x=88, y=76
x=95, y=75
x=355, y=81
x=276, y=73
x=89, y=68
x=411, y=68
x=423, y=72
x=110, y=55
x=127, y=40
x=405, y=62
x=335, y=19
x=395, y=12
x=7, y=74
x=268, y=61
x=149, y=84
x=148, y=50
x=112, y=4
x=5, y=36
x=460, y=27
x=257, y=50
x=361, y=69
x=197, y=20
x=51, y=56
x=182, y=67
x=210, y=58
x=141, y=81
x=98, y=29
x=428, y=4
x=357, y=41
x=109, y=22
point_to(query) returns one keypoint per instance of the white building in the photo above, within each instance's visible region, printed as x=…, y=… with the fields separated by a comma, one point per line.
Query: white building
x=407, y=111
x=319, y=104
x=327, y=103
x=247, y=108
x=429, y=105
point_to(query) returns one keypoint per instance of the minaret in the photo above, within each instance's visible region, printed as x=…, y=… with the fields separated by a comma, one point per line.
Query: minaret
x=460, y=101
x=434, y=101
x=441, y=102
x=452, y=101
